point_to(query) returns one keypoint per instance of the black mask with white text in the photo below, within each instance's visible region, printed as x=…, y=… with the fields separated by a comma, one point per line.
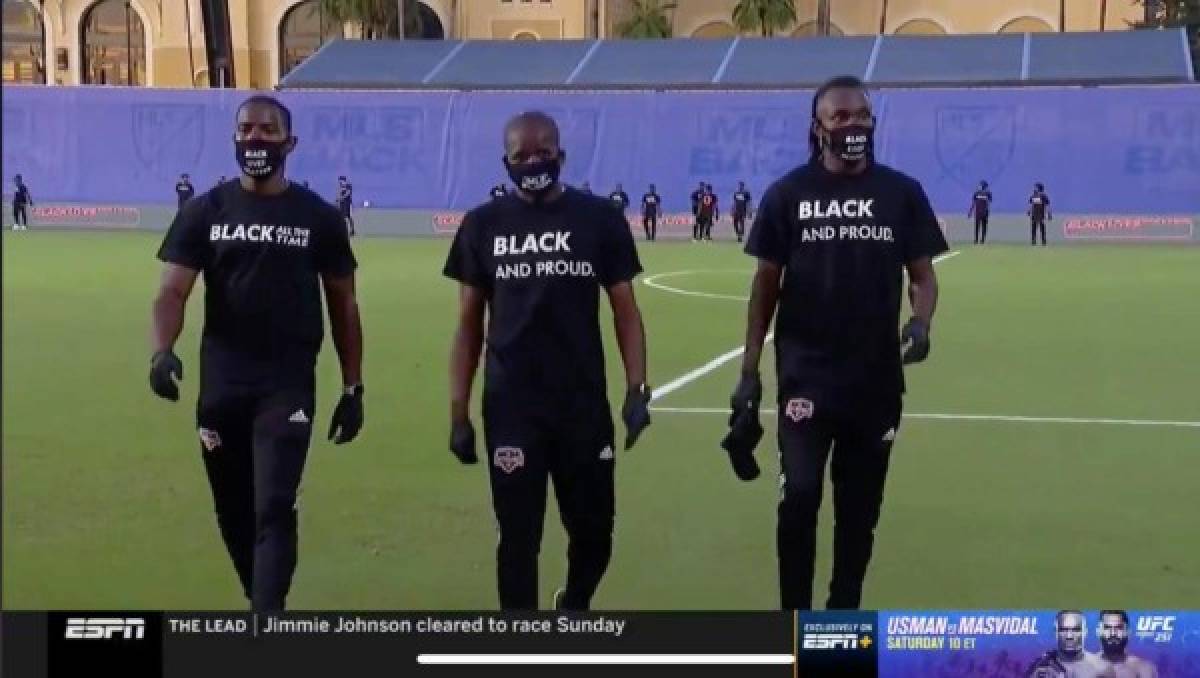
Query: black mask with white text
x=537, y=178
x=851, y=143
x=260, y=160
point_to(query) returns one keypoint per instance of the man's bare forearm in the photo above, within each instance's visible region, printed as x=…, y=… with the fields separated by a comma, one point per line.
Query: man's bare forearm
x=764, y=296
x=631, y=338
x=464, y=360
x=167, y=322
x=346, y=324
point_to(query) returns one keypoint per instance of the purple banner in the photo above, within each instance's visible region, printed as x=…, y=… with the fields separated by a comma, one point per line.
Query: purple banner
x=1120, y=150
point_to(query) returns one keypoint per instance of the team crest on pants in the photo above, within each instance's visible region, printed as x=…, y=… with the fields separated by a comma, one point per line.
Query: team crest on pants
x=210, y=439
x=799, y=408
x=508, y=459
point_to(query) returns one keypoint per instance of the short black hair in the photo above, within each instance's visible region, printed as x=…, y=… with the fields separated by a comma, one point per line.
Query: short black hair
x=342, y=178
x=534, y=118
x=266, y=100
x=17, y=178
x=836, y=82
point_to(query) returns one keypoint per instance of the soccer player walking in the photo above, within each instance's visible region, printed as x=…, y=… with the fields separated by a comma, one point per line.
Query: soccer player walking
x=534, y=263
x=22, y=201
x=832, y=238
x=266, y=248
x=741, y=209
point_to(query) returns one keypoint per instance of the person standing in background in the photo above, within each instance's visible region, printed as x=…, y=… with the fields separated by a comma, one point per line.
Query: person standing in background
x=650, y=205
x=981, y=207
x=183, y=190
x=1039, y=212
x=345, y=199
x=741, y=209
x=22, y=201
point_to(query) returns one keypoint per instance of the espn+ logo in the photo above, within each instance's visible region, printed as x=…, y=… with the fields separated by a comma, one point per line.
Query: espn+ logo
x=835, y=641
x=105, y=628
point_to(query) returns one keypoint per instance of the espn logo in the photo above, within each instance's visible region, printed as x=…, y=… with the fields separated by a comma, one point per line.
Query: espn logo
x=104, y=628
x=831, y=641
x=1156, y=623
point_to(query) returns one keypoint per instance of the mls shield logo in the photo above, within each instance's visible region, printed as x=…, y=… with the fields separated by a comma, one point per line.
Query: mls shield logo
x=210, y=439
x=508, y=459
x=798, y=409
x=168, y=138
x=975, y=142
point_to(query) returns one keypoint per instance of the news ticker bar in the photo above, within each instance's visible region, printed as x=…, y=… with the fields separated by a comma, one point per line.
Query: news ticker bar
x=900, y=644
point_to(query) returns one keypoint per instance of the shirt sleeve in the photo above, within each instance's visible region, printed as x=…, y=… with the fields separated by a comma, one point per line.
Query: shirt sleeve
x=334, y=256
x=618, y=254
x=187, y=240
x=465, y=262
x=925, y=237
x=770, y=234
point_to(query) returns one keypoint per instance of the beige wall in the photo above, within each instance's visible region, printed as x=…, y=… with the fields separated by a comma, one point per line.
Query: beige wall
x=255, y=25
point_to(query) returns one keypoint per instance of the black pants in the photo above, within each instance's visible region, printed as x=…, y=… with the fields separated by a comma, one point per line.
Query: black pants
x=254, y=444
x=981, y=224
x=20, y=214
x=861, y=442
x=650, y=224
x=572, y=444
x=703, y=228
x=1036, y=224
x=739, y=225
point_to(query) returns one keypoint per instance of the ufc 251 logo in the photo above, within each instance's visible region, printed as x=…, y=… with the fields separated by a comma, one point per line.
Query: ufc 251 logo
x=831, y=641
x=1156, y=628
x=104, y=628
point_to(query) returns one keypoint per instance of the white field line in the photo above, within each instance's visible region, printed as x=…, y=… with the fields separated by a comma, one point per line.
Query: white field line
x=692, y=375
x=971, y=417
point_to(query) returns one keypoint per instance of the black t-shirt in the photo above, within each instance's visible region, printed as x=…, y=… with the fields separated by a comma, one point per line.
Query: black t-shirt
x=183, y=191
x=741, y=202
x=706, y=206
x=261, y=257
x=21, y=197
x=345, y=195
x=1038, y=202
x=843, y=242
x=620, y=199
x=696, y=200
x=983, y=202
x=542, y=268
x=650, y=203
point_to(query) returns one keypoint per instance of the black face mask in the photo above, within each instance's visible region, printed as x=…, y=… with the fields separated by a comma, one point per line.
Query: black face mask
x=537, y=178
x=851, y=143
x=260, y=160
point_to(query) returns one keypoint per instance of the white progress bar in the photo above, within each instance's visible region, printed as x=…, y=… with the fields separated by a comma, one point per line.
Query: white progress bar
x=605, y=659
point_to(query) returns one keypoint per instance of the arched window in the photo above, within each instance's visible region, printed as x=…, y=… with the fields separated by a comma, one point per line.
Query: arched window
x=810, y=28
x=302, y=31
x=715, y=29
x=24, y=43
x=1026, y=24
x=427, y=25
x=920, y=27
x=114, y=45
x=526, y=35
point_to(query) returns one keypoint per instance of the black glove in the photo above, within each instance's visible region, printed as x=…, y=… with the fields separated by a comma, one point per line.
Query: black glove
x=163, y=366
x=916, y=332
x=635, y=413
x=462, y=441
x=740, y=442
x=745, y=431
x=746, y=396
x=347, y=416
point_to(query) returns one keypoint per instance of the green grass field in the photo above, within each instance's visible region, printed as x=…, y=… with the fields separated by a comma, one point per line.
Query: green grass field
x=106, y=505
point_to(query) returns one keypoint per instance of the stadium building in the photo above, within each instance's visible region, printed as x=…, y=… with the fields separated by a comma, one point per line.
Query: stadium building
x=161, y=43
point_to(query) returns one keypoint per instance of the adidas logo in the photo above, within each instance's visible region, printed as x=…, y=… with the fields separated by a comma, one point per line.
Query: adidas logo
x=298, y=417
x=890, y=435
x=606, y=453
